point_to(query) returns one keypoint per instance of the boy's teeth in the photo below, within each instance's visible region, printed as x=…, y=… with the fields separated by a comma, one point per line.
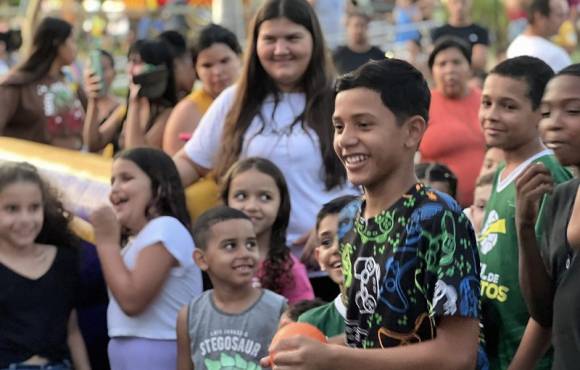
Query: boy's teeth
x=353, y=159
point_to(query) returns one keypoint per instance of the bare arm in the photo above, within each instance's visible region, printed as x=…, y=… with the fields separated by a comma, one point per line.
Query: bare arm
x=76, y=344
x=183, y=345
x=189, y=171
x=535, y=343
x=535, y=283
x=138, y=112
x=183, y=118
x=96, y=136
x=133, y=289
x=479, y=57
x=454, y=348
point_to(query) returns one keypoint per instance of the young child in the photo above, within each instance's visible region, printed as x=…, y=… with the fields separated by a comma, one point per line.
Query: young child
x=481, y=195
x=329, y=318
x=493, y=157
x=409, y=255
x=39, y=276
x=509, y=115
x=258, y=188
x=153, y=276
x=437, y=176
x=231, y=325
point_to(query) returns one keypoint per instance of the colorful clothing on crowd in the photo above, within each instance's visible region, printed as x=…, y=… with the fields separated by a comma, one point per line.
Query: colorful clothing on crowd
x=450, y=119
x=407, y=267
x=298, y=287
x=44, y=111
x=329, y=318
x=505, y=314
x=220, y=340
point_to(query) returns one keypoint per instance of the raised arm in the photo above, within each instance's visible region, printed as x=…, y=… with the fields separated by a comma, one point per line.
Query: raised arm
x=535, y=282
x=96, y=136
x=133, y=289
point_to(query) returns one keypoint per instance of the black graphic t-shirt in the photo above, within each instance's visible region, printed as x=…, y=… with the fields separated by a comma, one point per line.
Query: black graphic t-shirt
x=407, y=267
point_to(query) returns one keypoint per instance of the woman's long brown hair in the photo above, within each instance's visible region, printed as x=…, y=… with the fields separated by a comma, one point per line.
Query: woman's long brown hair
x=255, y=85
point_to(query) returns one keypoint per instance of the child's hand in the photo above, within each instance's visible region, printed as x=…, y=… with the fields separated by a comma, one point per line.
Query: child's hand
x=106, y=225
x=298, y=353
x=531, y=186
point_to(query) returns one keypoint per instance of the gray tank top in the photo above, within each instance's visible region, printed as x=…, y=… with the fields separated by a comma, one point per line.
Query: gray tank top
x=220, y=340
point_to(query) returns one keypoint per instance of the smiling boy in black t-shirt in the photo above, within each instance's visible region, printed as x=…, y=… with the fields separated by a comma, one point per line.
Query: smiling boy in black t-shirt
x=409, y=254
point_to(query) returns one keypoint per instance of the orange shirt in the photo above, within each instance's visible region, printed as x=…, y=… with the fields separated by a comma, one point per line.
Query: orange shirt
x=454, y=138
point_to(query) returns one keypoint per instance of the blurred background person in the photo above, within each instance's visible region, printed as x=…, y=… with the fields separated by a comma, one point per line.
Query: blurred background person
x=357, y=50
x=216, y=57
x=460, y=24
x=38, y=102
x=453, y=136
x=545, y=18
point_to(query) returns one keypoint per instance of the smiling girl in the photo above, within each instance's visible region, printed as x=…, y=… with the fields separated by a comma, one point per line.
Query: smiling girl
x=280, y=109
x=256, y=187
x=154, y=274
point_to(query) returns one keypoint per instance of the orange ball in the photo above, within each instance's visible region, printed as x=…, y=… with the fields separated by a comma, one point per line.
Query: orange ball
x=297, y=328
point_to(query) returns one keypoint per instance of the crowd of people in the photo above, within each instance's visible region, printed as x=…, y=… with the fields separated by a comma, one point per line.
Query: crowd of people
x=439, y=200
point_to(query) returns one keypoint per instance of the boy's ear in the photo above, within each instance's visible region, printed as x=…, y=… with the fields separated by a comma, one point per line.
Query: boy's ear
x=199, y=258
x=415, y=127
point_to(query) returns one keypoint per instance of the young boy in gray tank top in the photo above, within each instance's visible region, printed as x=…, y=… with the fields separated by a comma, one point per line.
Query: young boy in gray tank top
x=232, y=325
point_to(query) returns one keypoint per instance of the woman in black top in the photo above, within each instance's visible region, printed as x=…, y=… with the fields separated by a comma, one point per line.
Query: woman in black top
x=550, y=273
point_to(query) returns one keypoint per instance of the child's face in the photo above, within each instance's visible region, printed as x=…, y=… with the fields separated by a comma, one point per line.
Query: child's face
x=257, y=195
x=327, y=253
x=481, y=196
x=560, y=125
x=368, y=140
x=21, y=214
x=130, y=194
x=231, y=255
x=506, y=113
x=492, y=158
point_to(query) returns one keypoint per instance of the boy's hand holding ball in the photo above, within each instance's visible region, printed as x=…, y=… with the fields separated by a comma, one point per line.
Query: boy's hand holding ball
x=293, y=345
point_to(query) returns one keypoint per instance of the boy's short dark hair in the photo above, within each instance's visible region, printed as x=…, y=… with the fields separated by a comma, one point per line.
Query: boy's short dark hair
x=450, y=42
x=533, y=71
x=333, y=207
x=295, y=310
x=437, y=172
x=538, y=6
x=358, y=13
x=402, y=87
x=203, y=224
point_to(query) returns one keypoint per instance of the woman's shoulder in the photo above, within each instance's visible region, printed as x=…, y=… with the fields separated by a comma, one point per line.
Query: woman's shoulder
x=168, y=223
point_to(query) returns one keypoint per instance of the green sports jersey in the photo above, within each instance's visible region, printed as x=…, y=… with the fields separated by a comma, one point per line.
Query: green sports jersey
x=329, y=318
x=504, y=312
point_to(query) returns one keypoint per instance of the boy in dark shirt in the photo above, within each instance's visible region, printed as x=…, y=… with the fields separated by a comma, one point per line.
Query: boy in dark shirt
x=410, y=260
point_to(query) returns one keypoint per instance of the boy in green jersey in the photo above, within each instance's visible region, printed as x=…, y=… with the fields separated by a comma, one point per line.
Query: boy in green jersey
x=329, y=318
x=510, y=115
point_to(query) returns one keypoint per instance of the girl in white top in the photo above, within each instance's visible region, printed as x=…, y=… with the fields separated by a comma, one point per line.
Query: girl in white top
x=154, y=274
x=280, y=109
